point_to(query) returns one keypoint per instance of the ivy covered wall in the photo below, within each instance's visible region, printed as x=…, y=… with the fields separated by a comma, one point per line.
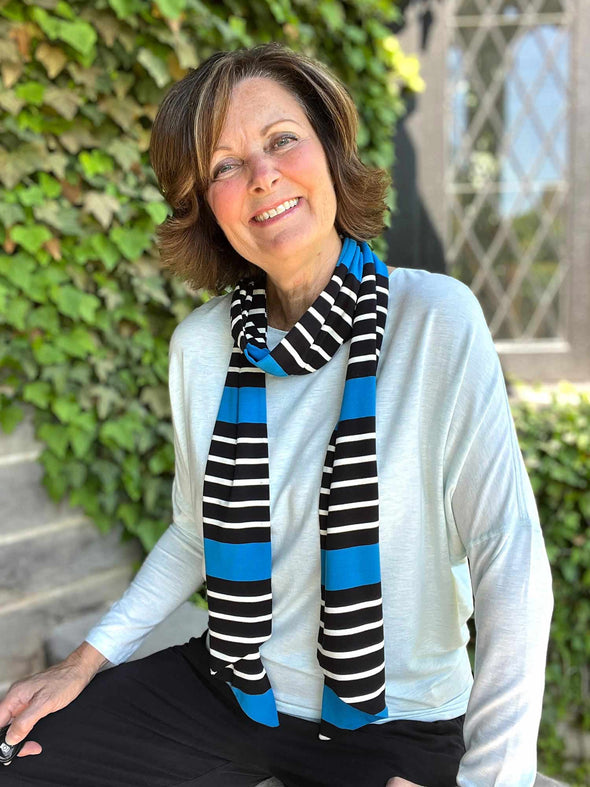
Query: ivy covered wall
x=86, y=312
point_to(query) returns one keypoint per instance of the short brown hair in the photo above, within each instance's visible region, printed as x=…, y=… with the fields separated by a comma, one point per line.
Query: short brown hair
x=187, y=127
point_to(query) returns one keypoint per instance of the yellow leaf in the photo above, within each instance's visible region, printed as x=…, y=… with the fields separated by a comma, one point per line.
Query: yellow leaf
x=8, y=51
x=53, y=246
x=11, y=73
x=107, y=25
x=10, y=102
x=122, y=111
x=66, y=102
x=102, y=206
x=22, y=36
x=52, y=58
x=77, y=138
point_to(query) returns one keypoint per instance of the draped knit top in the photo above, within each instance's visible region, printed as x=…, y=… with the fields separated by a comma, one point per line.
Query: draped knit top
x=459, y=527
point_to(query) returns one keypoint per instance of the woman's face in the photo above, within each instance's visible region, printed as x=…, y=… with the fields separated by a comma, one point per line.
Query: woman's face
x=269, y=157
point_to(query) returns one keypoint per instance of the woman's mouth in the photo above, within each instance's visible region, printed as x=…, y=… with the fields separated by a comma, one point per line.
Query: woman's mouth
x=276, y=213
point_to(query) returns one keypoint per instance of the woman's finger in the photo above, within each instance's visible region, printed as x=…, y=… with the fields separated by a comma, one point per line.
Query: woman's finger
x=30, y=747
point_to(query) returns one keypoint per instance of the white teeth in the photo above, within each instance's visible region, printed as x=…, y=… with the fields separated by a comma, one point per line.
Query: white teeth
x=275, y=211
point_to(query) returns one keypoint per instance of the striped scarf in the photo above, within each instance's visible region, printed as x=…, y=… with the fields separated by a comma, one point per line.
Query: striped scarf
x=236, y=502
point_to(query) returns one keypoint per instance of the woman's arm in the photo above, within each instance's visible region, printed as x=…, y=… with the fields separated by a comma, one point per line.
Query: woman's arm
x=489, y=499
x=169, y=575
x=173, y=570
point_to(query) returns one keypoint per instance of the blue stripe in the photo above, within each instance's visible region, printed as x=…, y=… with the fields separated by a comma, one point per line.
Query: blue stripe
x=351, y=567
x=359, y=398
x=262, y=358
x=356, y=264
x=243, y=405
x=260, y=707
x=342, y=715
x=238, y=562
x=370, y=257
x=272, y=367
x=254, y=353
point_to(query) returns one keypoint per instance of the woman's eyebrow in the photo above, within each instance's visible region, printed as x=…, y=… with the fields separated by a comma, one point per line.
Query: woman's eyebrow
x=263, y=130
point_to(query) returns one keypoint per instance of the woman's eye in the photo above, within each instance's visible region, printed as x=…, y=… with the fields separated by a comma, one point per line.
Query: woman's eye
x=222, y=169
x=284, y=139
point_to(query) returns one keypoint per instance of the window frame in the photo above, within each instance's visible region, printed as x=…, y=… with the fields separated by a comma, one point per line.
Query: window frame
x=418, y=236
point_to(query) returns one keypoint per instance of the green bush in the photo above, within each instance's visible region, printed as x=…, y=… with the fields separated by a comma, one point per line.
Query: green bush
x=555, y=441
x=86, y=312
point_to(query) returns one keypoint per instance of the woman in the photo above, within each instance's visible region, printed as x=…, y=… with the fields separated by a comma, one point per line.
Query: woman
x=340, y=431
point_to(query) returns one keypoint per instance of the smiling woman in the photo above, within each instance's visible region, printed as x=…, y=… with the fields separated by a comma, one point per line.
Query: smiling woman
x=199, y=150
x=347, y=481
x=272, y=195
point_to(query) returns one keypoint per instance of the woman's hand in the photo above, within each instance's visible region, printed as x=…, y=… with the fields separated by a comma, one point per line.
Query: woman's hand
x=397, y=781
x=31, y=699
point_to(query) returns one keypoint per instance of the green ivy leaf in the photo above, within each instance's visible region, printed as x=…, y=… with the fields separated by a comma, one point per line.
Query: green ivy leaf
x=131, y=242
x=81, y=440
x=75, y=304
x=64, y=218
x=50, y=186
x=10, y=415
x=37, y=393
x=30, y=195
x=95, y=163
x=77, y=342
x=80, y=35
x=44, y=317
x=162, y=461
x=155, y=66
x=158, y=211
x=65, y=409
x=126, y=8
x=124, y=152
x=11, y=214
x=31, y=236
x=55, y=438
x=171, y=8
x=31, y=92
x=132, y=476
x=46, y=353
x=121, y=432
x=106, y=251
x=16, y=312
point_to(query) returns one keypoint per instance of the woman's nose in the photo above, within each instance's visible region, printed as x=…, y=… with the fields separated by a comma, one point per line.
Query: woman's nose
x=263, y=173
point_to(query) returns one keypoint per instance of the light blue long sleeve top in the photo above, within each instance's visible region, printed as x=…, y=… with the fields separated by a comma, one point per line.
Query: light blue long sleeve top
x=459, y=528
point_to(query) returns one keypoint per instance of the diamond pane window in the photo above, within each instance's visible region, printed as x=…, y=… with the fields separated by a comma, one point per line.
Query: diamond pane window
x=508, y=72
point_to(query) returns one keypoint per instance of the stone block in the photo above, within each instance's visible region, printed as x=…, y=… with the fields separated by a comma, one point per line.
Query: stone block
x=26, y=624
x=21, y=440
x=58, y=554
x=23, y=500
x=185, y=622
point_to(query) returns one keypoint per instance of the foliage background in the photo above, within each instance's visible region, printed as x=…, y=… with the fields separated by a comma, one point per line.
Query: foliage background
x=86, y=312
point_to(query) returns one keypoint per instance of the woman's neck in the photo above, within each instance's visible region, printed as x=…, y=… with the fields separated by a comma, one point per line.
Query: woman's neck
x=287, y=299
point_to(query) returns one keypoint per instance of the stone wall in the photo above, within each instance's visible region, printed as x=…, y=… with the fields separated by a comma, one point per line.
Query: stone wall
x=54, y=564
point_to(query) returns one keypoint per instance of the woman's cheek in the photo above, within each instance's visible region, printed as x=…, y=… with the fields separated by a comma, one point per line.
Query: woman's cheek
x=223, y=200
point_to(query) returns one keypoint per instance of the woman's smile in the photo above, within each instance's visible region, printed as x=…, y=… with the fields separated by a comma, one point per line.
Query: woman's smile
x=283, y=209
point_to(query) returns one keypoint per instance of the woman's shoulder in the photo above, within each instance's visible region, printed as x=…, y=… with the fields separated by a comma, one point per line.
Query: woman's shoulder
x=206, y=323
x=419, y=291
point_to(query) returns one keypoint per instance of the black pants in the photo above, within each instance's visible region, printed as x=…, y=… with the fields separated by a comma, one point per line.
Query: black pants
x=163, y=722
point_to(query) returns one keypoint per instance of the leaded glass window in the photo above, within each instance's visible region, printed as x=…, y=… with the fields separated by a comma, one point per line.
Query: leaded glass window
x=508, y=156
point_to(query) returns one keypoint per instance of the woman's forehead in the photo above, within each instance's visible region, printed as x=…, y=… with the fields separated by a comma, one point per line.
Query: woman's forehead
x=260, y=99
